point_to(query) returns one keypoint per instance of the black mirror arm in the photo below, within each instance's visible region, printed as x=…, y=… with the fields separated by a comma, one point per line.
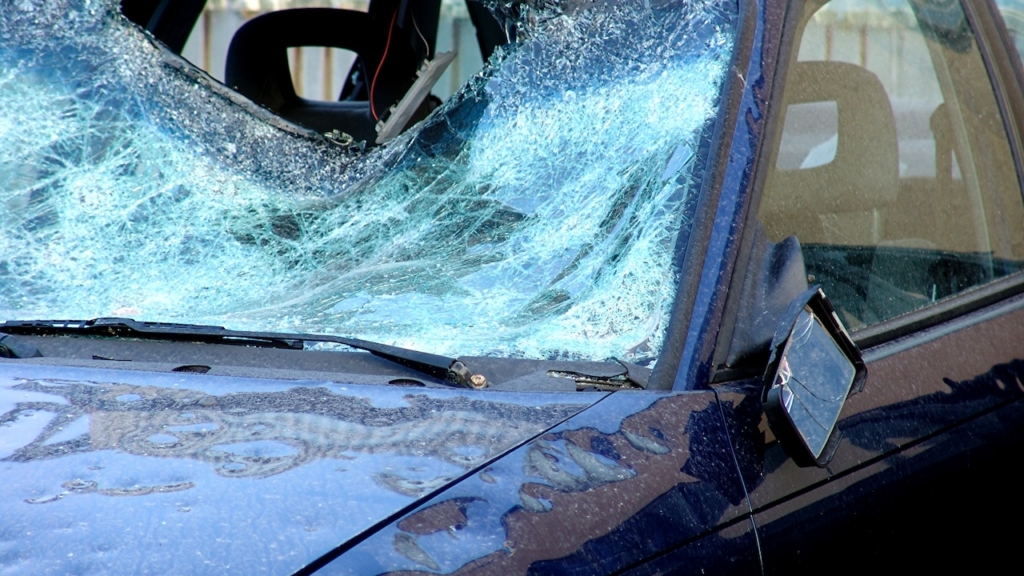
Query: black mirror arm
x=775, y=276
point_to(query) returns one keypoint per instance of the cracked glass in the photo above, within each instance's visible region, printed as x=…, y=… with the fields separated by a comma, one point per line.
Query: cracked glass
x=536, y=214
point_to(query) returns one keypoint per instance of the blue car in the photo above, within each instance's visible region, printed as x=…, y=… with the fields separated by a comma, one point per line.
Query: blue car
x=668, y=287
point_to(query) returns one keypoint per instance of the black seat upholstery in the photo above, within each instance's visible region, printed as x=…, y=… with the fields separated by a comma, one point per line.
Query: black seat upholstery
x=402, y=33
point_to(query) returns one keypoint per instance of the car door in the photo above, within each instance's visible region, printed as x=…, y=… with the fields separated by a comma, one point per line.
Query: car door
x=893, y=165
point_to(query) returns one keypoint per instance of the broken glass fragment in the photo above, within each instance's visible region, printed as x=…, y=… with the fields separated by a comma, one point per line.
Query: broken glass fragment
x=536, y=214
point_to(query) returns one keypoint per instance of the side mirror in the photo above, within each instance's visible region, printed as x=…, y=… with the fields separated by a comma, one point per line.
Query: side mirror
x=814, y=367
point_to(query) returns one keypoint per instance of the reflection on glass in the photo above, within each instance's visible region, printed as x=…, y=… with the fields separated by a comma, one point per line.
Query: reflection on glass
x=815, y=377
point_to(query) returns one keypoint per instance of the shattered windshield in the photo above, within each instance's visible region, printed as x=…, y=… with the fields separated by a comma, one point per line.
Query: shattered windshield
x=536, y=214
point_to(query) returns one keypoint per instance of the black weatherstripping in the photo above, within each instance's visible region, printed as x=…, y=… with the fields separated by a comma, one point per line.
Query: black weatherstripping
x=440, y=367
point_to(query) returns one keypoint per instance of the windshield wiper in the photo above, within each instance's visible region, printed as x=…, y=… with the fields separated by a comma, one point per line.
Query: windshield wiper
x=440, y=367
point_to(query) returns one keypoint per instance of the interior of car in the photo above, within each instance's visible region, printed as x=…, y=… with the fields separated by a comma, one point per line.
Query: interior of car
x=391, y=40
x=891, y=167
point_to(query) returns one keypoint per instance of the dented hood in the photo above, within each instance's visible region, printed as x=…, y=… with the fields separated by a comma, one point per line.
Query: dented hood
x=109, y=471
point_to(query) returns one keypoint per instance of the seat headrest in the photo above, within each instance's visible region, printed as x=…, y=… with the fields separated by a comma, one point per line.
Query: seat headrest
x=864, y=173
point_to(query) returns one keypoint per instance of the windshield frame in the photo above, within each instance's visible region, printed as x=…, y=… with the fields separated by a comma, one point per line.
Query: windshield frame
x=708, y=258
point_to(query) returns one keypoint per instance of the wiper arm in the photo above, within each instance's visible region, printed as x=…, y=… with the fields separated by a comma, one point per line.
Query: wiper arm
x=441, y=367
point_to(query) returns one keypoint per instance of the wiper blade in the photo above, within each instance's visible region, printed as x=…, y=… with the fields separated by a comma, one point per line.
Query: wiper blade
x=440, y=367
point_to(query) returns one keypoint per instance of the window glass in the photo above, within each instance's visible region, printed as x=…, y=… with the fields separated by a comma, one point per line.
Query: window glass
x=809, y=136
x=1013, y=16
x=535, y=214
x=893, y=167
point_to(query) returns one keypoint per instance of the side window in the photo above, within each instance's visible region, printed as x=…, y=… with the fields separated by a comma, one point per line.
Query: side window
x=893, y=167
x=1013, y=15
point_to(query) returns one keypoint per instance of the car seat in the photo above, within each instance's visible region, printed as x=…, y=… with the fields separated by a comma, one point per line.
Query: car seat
x=391, y=40
x=835, y=205
x=838, y=202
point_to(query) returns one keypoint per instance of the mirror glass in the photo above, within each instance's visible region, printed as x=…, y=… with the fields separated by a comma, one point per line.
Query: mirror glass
x=814, y=378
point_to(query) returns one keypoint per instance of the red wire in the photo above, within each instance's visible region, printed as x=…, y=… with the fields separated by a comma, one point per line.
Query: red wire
x=373, y=83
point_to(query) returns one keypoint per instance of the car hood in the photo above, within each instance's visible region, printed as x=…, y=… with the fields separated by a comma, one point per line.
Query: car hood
x=137, y=472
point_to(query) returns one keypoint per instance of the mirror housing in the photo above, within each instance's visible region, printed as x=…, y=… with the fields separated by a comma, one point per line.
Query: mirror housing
x=814, y=367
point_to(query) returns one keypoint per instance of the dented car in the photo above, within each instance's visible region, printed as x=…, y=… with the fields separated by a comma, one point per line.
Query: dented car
x=670, y=286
